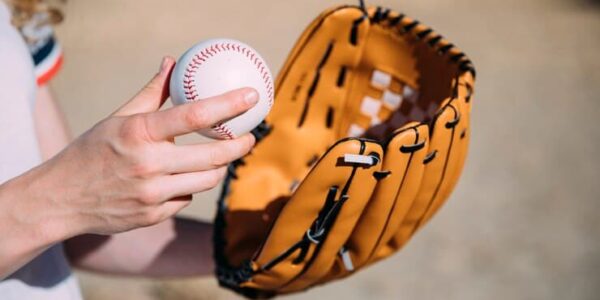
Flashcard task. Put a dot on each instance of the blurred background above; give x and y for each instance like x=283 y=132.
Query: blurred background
x=523 y=222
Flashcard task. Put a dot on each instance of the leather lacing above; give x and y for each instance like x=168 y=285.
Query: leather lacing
x=315 y=83
x=435 y=41
x=427 y=34
x=316 y=233
x=320 y=228
x=420 y=33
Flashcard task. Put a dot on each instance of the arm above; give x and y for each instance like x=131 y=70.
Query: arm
x=50 y=125
x=121 y=174
x=176 y=247
x=25 y=233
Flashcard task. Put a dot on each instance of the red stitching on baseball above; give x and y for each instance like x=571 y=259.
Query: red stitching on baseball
x=203 y=56
x=224 y=131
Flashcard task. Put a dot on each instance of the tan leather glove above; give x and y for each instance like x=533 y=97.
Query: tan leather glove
x=366 y=140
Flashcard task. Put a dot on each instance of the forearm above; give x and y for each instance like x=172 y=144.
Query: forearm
x=29 y=223
x=176 y=247
x=50 y=125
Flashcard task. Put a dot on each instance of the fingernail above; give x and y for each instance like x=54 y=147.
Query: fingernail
x=251 y=97
x=163 y=65
x=252 y=140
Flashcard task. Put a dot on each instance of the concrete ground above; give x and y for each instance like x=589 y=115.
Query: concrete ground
x=523 y=222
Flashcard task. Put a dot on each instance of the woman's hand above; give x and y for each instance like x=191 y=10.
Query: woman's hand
x=126 y=172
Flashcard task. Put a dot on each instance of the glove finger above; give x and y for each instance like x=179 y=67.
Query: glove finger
x=331 y=199
x=359 y=195
x=457 y=154
x=436 y=161
x=458 y=151
x=398 y=184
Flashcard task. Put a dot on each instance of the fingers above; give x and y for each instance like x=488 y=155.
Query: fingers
x=173 y=206
x=173 y=193
x=193 y=158
x=190 y=117
x=175 y=186
x=153 y=95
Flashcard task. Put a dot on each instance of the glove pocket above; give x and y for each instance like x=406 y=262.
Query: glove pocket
x=318 y=219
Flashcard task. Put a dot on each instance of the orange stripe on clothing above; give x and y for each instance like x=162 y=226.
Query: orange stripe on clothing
x=44 y=78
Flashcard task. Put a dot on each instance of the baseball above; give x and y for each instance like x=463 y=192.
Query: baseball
x=216 y=66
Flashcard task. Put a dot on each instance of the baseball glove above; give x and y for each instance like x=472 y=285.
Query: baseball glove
x=366 y=140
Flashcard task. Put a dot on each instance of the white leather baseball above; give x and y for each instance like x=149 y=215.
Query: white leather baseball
x=216 y=66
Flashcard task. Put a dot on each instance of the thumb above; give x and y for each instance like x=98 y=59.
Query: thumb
x=153 y=95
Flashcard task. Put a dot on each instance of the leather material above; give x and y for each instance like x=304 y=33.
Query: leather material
x=367 y=139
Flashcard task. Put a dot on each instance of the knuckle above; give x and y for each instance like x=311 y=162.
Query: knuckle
x=148 y=195
x=132 y=129
x=151 y=216
x=219 y=156
x=216 y=177
x=143 y=165
x=196 y=117
x=237 y=103
x=142 y=170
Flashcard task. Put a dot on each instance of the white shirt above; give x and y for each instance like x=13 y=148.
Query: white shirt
x=48 y=276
